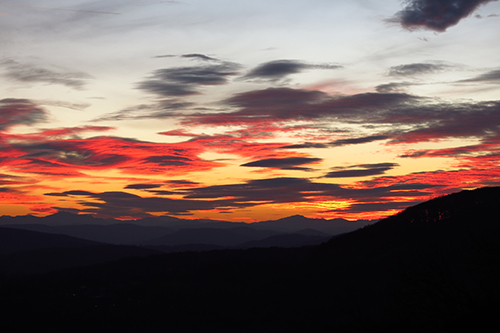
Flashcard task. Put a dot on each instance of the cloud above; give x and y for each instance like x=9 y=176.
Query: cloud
x=362 y=170
x=123 y=204
x=185 y=81
x=437 y=15
x=412 y=118
x=488 y=77
x=460 y=120
x=249 y=194
x=63 y=104
x=273 y=190
x=181 y=183
x=279 y=69
x=288 y=189
x=8 y=180
x=193 y=56
x=356 y=141
x=416 y=69
x=162 y=109
x=414 y=153
x=285 y=104
x=307 y=145
x=20 y=112
x=56 y=133
x=393 y=87
x=29 y=73
x=50 y=153
x=340 y=142
x=142 y=186
x=168 y=160
x=199 y=56
x=289 y=163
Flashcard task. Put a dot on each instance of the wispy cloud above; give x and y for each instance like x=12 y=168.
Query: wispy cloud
x=30 y=73
x=163 y=109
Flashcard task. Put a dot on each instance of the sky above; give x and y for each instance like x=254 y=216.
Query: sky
x=246 y=110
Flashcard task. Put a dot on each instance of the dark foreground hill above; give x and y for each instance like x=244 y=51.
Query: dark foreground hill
x=25 y=251
x=433 y=268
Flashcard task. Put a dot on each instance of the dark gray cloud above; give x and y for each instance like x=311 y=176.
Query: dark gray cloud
x=193 y=56
x=199 y=56
x=437 y=15
x=340 y=142
x=287 y=189
x=307 y=145
x=29 y=73
x=20 y=112
x=76 y=193
x=184 y=81
x=362 y=170
x=181 y=182
x=357 y=141
x=280 y=104
x=417 y=69
x=413 y=118
x=168 y=160
x=279 y=69
x=165 y=56
x=142 y=186
x=488 y=77
x=289 y=163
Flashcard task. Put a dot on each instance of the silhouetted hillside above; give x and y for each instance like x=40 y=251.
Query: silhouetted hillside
x=433 y=268
x=24 y=251
x=286 y=240
x=117 y=233
x=14 y=240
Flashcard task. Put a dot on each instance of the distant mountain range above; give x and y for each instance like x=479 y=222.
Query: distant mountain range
x=434 y=267
x=170 y=233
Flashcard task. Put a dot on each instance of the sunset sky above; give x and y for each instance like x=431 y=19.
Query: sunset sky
x=246 y=110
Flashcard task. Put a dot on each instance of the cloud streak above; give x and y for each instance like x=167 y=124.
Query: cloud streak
x=29 y=73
